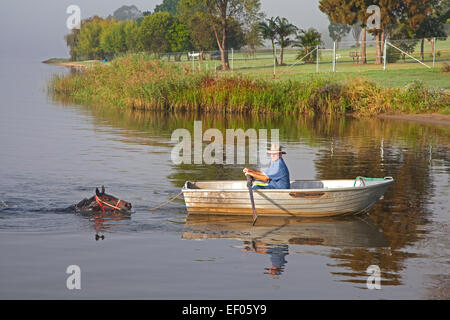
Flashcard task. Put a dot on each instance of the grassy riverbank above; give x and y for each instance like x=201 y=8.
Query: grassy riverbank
x=139 y=82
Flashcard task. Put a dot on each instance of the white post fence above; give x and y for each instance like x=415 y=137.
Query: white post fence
x=434 y=51
x=232 y=59
x=274 y=61
x=409 y=55
x=300 y=60
x=317 y=58
x=334 y=56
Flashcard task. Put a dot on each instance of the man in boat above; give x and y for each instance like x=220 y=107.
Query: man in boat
x=276 y=176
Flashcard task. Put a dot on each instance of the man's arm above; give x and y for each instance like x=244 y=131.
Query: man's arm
x=259 y=175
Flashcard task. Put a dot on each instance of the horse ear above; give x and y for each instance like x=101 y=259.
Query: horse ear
x=97 y=192
x=103 y=189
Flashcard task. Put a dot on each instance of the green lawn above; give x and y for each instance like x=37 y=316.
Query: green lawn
x=395 y=75
x=261 y=65
x=400 y=73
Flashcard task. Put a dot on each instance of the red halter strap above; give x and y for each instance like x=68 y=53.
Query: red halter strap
x=103 y=203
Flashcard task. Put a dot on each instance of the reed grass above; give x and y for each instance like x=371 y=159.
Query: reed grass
x=142 y=83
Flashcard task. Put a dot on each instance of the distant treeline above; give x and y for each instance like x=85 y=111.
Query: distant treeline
x=156 y=33
x=175 y=26
x=186 y=25
x=207 y=25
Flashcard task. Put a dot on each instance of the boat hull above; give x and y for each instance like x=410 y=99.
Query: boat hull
x=325 y=202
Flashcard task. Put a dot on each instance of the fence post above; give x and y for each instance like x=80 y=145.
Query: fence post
x=274 y=61
x=334 y=56
x=384 y=54
x=232 y=59
x=193 y=63
x=434 y=51
x=317 y=58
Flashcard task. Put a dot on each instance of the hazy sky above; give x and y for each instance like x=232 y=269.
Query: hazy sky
x=35 y=28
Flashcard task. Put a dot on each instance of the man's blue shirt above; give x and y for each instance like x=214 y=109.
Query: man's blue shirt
x=278 y=174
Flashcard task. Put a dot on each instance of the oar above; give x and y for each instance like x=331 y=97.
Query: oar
x=250 y=190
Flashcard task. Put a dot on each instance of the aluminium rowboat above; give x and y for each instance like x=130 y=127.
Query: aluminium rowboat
x=305 y=198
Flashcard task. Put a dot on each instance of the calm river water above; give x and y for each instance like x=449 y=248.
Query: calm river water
x=54 y=154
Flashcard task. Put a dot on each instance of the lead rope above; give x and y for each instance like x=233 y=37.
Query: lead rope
x=167 y=202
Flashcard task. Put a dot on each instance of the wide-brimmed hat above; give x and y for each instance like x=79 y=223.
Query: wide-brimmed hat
x=275 y=148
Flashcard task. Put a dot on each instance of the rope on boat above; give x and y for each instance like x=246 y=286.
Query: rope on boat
x=167 y=202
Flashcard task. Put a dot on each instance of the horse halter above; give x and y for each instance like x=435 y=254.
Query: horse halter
x=102 y=204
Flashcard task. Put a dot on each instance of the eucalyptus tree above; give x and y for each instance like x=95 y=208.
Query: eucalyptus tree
x=392 y=14
x=113 y=38
x=167 y=6
x=88 y=39
x=433 y=26
x=348 y=12
x=356 y=32
x=220 y=14
x=338 y=31
x=250 y=24
x=154 y=35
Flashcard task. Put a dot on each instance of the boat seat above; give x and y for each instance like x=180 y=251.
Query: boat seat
x=307 y=185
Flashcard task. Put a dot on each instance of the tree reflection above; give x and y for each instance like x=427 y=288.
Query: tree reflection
x=346 y=148
x=377 y=148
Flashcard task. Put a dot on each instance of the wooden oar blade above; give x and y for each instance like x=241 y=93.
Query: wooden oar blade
x=252 y=200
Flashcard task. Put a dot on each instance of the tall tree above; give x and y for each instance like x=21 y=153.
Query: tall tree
x=223 y=10
x=201 y=33
x=219 y=12
x=112 y=38
x=153 y=34
x=433 y=26
x=348 y=12
x=338 y=31
x=127 y=13
x=131 y=29
x=236 y=35
x=410 y=13
x=72 y=43
x=88 y=40
x=284 y=29
x=390 y=11
x=402 y=37
x=167 y=6
x=179 y=38
x=250 y=24
x=356 y=32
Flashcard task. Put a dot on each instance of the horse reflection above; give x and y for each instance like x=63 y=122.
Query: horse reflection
x=103 y=221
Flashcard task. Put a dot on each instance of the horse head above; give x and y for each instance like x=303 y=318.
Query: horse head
x=102 y=202
x=108 y=202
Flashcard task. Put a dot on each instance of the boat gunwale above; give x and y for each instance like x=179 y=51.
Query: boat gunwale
x=376 y=185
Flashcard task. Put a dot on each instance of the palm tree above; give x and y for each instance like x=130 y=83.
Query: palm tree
x=283 y=30
x=307 y=42
x=268 y=31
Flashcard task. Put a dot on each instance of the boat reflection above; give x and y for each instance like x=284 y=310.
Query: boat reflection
x=334 y=232
x=274 y=235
